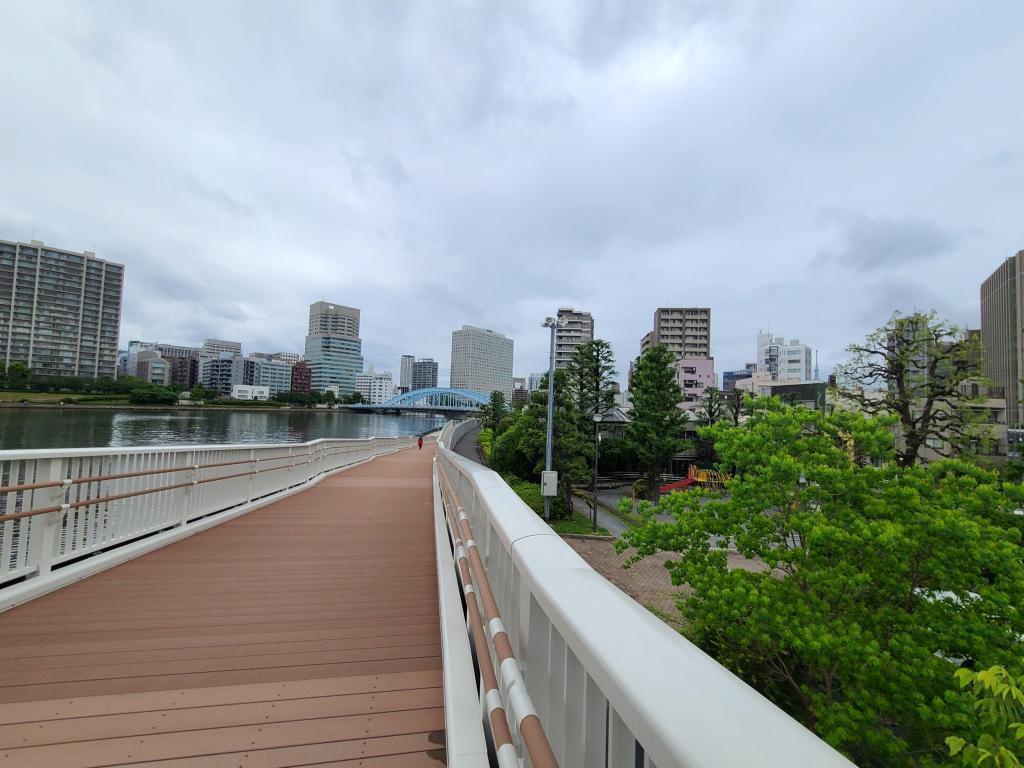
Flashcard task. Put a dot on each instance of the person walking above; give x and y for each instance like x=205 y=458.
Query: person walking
x=420 y=442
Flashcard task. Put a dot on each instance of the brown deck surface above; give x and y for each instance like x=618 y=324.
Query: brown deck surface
x=304 y=633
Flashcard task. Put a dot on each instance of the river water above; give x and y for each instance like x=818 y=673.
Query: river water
x=22 y=428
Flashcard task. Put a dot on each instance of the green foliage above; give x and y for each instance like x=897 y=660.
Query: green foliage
x=531 y=496
x=18 y=376
x=492 y=414
x=656 y=422
x=578 y=524
x=328 y=397
x=591 y=378
x=485 y=439
x=519 y=449
x=913 y=369
x=352 y=398
x=876 y=580
x=616 y=455
x=998 y=738
x=151 y=395
x=712 y=407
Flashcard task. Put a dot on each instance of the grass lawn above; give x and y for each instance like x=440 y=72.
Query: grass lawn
x=34 y=397
x=578 y=524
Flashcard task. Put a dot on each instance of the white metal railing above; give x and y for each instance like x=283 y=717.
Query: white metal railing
x=612 y=684
x=67 y=513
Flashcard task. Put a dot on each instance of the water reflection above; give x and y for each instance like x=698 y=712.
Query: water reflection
x=22 y=428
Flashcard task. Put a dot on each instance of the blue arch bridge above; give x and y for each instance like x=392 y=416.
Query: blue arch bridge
x=453 y=400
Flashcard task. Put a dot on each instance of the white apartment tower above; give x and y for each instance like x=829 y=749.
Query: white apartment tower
x=482 y=361
x=374 y=387
x=574 y=329
x=781 y=361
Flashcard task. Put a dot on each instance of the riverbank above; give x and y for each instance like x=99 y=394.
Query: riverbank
x=126 y=406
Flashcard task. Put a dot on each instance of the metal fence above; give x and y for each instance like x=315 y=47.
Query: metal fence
x=67 y=509
x=610 y=683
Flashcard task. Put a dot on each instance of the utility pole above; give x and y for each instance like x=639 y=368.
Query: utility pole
x=549 y=481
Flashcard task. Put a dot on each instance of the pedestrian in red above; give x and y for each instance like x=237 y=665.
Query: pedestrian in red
x=420 y=443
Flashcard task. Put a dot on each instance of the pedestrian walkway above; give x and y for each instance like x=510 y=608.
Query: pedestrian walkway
x=303 y=633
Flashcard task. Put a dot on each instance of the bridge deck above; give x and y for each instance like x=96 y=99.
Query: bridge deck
x=304 y=633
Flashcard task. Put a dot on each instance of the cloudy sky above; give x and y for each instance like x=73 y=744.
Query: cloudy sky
x=803 y=167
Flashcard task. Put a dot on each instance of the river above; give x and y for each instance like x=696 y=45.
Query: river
x=22 y=428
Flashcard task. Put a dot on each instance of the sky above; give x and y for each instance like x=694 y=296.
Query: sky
x=800 y=167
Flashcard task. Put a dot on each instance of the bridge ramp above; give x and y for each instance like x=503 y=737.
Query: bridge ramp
x=305 y=632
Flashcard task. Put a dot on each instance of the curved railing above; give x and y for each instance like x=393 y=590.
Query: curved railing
x=65 y=514
x=610 y=683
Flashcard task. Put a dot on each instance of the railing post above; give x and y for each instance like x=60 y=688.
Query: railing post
x=190 y=490
x=43 y=528
x=254 y=468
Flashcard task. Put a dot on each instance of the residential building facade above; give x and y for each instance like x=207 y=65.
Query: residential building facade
x=784 y=361
x=574 y=329
x=217 y=347
x=694 y=375
x=301 y=377
x=423 y=375
x=684 y=331
x=249 y=392
x=729 y=378
x=533 y=381
x=275 y=375
x=153 y=368
x=375 y=388
x=405 y=372
x=221 y=373
x=1002 y=334
x=520 y=394
x=482 y=361
x=60 y=311
x=333 y=347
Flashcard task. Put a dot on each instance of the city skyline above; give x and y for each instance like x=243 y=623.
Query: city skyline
x=616 y=162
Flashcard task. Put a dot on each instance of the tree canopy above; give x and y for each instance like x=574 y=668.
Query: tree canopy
x=864 y=584
x=657 y=423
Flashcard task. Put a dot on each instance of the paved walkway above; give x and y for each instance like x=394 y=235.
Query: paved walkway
x=304 y=633
x=467 y=446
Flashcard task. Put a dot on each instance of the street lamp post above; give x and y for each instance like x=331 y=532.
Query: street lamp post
x=597 y=444
x=551 y=323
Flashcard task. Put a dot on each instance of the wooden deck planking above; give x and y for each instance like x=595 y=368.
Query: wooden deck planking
x=302 y=633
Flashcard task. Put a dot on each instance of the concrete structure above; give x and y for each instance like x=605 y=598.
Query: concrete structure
x=185 y=371
x=1002 y=334
x=405 y=372
x=424 y=374
x=694 y=375
x=249 y=392
x=275 y=375
x=153 y=368
x=375 y=388
x=301 y=377
x=482 y=361
x=729 y=378
x=60 y=311
x=782 y=361
x=221 y=373
x=685 y=331
x=333 y=347
x=520 y=394
x=533 y=381
x=217 y=347
x=574 y=328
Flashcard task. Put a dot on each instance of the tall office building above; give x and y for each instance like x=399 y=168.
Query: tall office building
x=60 y=311
x=778 y=360
x=333 y=347
x=405 y=373
x=482 y=361
x=424 y=374
x=574 y=329
x=1001 y=334
x=685 y=331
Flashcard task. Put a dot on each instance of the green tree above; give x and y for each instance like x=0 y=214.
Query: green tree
x=328 y=397
x=19 y=376
x=915 y=368
x=712 y=407
x=591 y=378
x=736 y=405
x=866 y=582
x=999 y=720
x=657 y=424
x=151 y=395
x=494 y=411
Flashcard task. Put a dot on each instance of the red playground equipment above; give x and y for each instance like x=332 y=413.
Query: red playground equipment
x=706 y=478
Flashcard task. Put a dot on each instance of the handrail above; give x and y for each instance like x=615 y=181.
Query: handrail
x=611 y=683
x=475 y=582
x=123 y=475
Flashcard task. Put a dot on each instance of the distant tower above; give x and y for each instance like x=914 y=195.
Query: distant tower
x=816 y=376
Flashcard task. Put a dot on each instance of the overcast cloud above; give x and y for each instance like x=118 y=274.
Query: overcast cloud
x=797 y=166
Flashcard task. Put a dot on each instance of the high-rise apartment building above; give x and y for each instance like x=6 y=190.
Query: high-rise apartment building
x=482 y=361
x=222 y=372
x=685 y=331
x=533 y=381
x=424 y=374
x=60 y=311
x=574 y=328
x=405 y=373
x=215 y=347
x=1002 y=336
x=520 y=394
x=778 y=360
x=374 y=387
x=333 y=347
x=301 y=377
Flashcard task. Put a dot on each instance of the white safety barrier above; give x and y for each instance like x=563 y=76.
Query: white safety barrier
x=65 y=514
x=612 y=684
